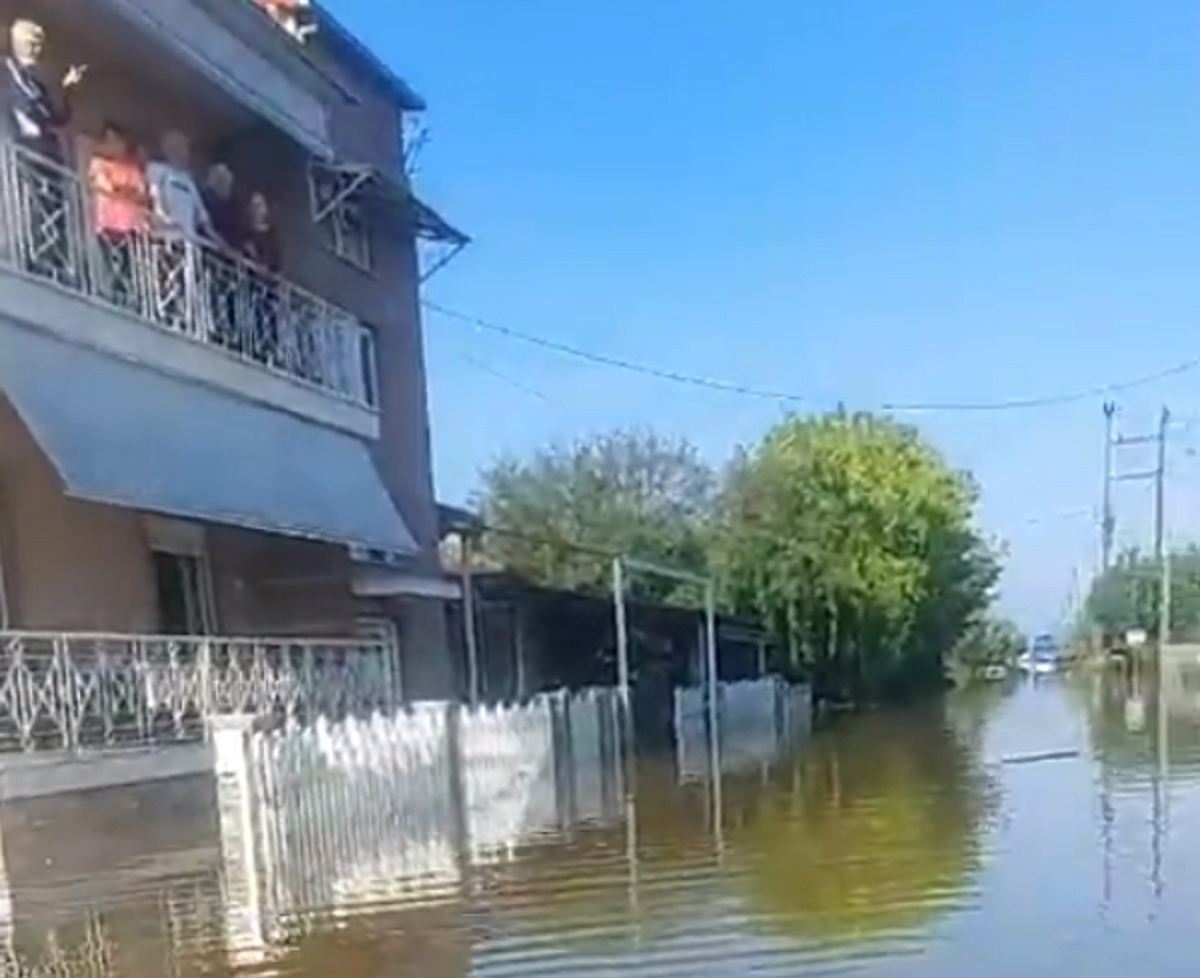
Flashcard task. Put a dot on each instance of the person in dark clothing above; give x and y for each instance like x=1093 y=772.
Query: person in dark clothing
x=32 y=116
x=224 y=209
x=31 y=119
x=261 y=243
x=223 y=274
x=261 y=247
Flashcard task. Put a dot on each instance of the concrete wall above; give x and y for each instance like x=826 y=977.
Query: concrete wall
x=68 y=565
x=146 y=858
x=426 y=664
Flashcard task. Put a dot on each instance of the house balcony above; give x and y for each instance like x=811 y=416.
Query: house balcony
x=76 y=691
x=179 y=307
x=231 y=45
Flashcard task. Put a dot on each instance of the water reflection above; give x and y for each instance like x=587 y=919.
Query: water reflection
x=898 y=843
x=873 y=833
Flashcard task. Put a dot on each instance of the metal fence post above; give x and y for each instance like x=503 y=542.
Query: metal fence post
x=206 y=681
x=563 y=746
x=67 y=694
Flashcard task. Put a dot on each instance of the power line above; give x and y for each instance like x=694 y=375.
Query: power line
x=500 y=375
x=729 y=387
x=1071 y=514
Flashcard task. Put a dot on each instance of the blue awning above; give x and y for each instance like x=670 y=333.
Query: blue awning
x=124 y=434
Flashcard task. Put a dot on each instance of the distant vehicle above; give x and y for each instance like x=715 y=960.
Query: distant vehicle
x=1043 y=656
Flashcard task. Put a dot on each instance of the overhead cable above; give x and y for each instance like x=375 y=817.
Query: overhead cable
x=762 y=393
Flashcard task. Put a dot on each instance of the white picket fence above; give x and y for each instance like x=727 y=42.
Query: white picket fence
x=400 y=806
x=757 y=719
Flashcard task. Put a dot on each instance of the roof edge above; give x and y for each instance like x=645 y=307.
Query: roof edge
x=407 y=97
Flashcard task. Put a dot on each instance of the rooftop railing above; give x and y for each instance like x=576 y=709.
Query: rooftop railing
x=184 y=286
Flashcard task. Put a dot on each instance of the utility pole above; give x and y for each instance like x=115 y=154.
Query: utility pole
x=1161 y=552
x=1159 y=476
x=1108 y=521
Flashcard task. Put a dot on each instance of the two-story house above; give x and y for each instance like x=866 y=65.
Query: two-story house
x=192 y=444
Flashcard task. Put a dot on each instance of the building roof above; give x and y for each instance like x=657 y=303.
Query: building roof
x=452 y=519
x=404 y=94
x=507 y=585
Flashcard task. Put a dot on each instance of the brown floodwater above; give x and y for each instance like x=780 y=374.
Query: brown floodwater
x=894 y=844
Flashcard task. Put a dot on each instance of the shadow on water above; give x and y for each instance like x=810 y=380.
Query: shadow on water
x=868 y=843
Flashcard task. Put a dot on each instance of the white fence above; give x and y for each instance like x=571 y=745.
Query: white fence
x=757 y=719
x=508 y=775
x=401 y=806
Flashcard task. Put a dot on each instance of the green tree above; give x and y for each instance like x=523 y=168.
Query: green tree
x=1126 y=595
x=851 y=538
x=569 y=508
x=988 y=640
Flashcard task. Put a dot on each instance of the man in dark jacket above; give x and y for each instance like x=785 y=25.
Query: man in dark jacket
x=32 y=119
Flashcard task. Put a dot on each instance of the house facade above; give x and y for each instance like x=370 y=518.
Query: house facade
x=193 y=442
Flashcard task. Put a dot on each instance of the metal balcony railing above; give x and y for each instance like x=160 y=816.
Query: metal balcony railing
x=184 y=286
x=71 y=691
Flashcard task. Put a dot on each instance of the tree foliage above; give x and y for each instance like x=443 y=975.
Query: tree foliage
x=1126 y=596
x=851 y=538
x=988 y=640
x=846 y=535
x=568 y=509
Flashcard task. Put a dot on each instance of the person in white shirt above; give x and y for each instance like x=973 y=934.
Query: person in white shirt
x=179 y=209
x=181 y=221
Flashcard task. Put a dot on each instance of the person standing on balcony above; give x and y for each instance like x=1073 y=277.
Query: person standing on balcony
x=33 y=116
x=32 y=119
x=224 y=276
x=261 y=247
x=221 y=201
x=181 y=223
x=179 y=208
x=121 y=205
x=262 y=242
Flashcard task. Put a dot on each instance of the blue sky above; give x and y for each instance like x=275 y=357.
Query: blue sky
x=860 y=201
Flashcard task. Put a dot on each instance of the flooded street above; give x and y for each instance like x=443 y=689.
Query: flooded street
x=894 y=844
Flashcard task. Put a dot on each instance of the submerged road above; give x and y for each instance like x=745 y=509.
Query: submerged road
x=1005 y=831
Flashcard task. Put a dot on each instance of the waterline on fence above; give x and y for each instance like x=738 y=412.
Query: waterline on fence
x=410 y=807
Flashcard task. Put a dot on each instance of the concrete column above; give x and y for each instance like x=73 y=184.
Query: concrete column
x=242 y=871
x=6 y=903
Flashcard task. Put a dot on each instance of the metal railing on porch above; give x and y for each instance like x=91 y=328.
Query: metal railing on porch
x=184 y=286
x=74 y=691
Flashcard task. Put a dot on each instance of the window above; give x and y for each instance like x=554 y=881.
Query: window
x=384 y=631
x=182 y=583
x=338 y=212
